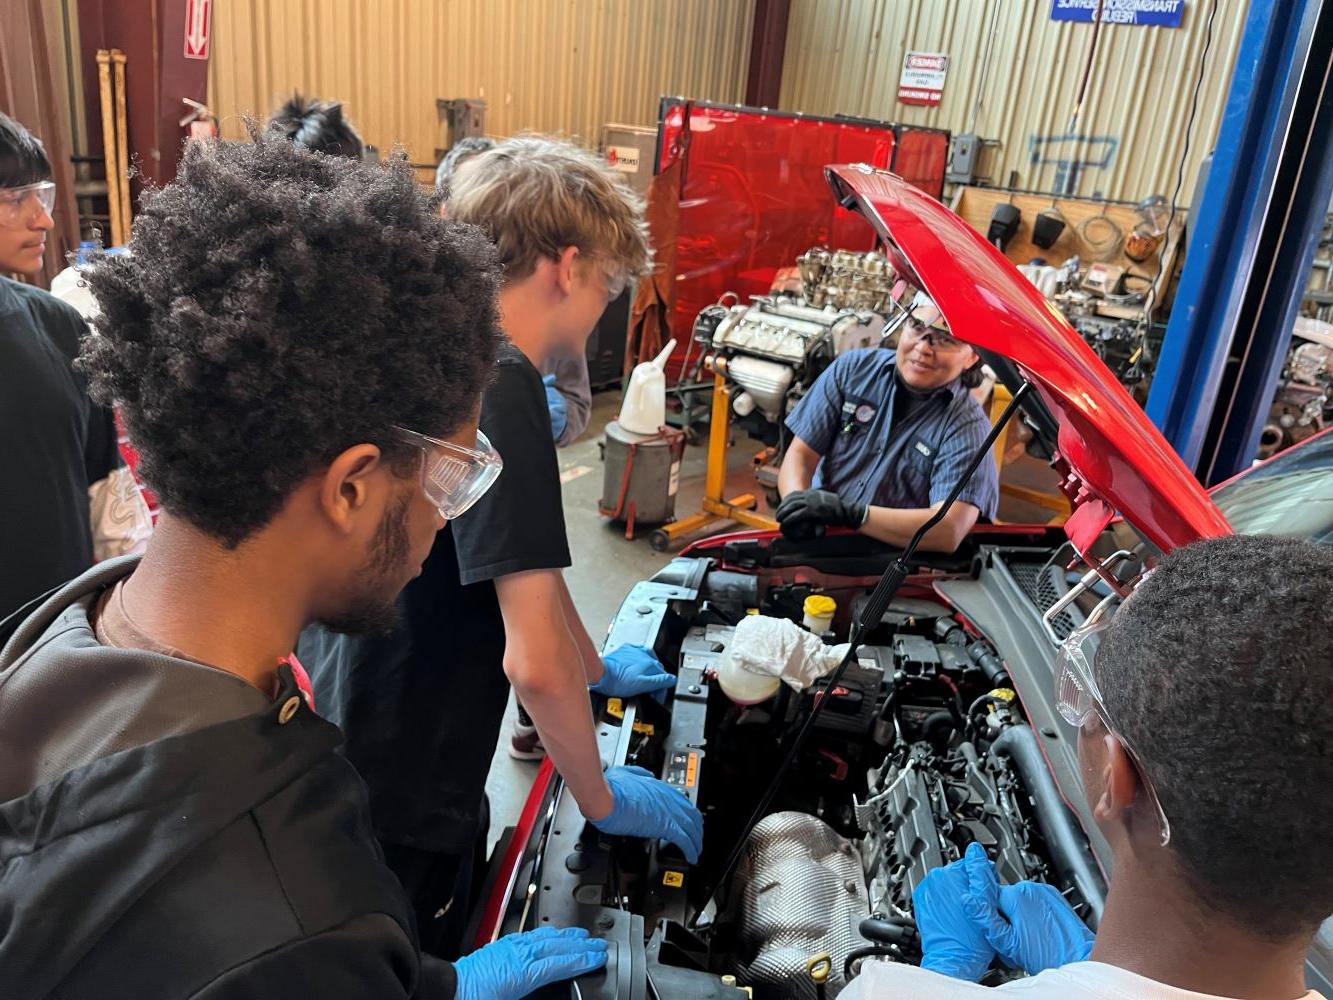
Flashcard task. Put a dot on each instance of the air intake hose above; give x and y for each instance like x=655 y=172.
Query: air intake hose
x=1066 y=842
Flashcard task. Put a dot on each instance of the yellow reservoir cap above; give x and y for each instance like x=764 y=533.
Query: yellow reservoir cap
x=820 y=606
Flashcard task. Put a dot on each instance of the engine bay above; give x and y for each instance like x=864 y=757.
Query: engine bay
x=923 y=747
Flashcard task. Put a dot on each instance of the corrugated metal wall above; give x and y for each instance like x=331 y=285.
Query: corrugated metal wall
x=561 y=66
x=846 y=56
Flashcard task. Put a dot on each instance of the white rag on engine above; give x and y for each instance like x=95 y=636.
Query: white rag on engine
x=778 y=647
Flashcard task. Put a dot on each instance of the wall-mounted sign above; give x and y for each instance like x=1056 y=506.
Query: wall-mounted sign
x=197 y=16
x=623 y=158
x=1163 y=13
x=922 y=81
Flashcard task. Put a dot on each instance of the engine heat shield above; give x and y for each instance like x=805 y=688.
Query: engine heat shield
x=802 y=892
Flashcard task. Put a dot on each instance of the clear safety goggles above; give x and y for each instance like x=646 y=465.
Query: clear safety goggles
x=616 y=281
x=1078 y=699
x=454 y=477
x=17 y=202
x=915 y=329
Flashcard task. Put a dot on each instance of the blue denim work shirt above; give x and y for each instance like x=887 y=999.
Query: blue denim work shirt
x=847 y=417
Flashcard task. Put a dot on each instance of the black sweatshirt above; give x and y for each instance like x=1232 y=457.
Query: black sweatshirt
x=228 y=855
x=54 y=443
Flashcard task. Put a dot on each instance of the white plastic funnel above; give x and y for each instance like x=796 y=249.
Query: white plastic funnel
x=644 y=408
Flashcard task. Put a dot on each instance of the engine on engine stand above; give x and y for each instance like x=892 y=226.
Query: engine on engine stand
x=774 y=348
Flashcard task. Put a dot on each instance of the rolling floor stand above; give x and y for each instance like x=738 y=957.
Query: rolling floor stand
x=715 y=507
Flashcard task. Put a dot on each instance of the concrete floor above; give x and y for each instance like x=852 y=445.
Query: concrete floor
x=605 y=566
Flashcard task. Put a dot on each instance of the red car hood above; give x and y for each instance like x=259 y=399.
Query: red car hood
x=1115 y=460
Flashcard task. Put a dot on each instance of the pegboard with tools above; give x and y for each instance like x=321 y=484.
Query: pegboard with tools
x=1110 y=267
x=1097 y=232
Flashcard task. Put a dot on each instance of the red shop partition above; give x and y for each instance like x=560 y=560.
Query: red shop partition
x=920 y=157
x=753 y=196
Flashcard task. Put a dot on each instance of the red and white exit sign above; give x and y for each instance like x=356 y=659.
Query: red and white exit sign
x=922 y=81
x=198 y=13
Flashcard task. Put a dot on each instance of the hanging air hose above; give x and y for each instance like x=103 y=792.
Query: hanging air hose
x=1101 y=236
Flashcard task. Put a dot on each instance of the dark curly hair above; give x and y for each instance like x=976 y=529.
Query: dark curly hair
x=1219 y=671
x=317 y=125
x=278 y=307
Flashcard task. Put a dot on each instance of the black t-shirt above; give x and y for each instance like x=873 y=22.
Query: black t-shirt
x=422 y=708
x=907 y=401
x=54 y=443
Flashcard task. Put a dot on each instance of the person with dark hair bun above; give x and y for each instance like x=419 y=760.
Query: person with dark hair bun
x=882 y=437
x=298 y=343
x=316 y=125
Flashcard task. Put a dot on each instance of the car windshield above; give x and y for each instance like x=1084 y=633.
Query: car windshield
x=1290 y=495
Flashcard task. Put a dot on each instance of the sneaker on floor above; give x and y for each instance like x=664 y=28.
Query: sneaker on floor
x=525 y=743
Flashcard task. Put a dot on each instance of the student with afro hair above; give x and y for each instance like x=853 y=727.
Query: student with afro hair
x=298 y=344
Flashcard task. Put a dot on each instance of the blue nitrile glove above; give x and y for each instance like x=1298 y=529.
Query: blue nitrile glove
x=952 y=943
x=555 y=402
x=1030 y=925
x=632 y=670
x=517 y=964
x=646 y=807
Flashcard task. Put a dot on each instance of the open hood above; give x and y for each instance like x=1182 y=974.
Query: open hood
x=1114 y=459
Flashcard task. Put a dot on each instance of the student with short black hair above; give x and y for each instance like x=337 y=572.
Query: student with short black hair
x=55 y=443
x=298 y=343
x=1206 y=750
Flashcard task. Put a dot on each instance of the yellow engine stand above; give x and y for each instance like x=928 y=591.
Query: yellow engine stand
x=1054 y=502
x=714 y=507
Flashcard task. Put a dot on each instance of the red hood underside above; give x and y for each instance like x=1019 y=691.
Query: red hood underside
x=1119 y=462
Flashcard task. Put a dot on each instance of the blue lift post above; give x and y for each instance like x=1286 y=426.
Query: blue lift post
x=1252 y=240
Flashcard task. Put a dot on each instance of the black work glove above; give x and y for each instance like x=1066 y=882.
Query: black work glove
x=801 y=513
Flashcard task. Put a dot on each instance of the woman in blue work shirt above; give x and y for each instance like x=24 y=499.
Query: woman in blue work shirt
x=882 y=437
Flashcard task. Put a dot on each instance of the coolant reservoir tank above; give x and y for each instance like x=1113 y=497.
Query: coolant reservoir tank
x=644 y=408
x=745 y=687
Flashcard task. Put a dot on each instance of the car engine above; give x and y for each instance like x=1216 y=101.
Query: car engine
x=773 y=348
x=1303 y=403
x=922 y=749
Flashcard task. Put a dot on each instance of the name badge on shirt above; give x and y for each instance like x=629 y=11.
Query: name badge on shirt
x=924 y=448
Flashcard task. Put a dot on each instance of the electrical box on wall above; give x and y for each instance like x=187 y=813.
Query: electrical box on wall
x=963 y=153
x=463 y=117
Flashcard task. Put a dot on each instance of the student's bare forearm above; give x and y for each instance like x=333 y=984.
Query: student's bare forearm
x=592 y=659
x=562 y=714
x=543 y=662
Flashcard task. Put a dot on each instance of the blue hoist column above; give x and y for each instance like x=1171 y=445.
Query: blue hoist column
x=1251 y=241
